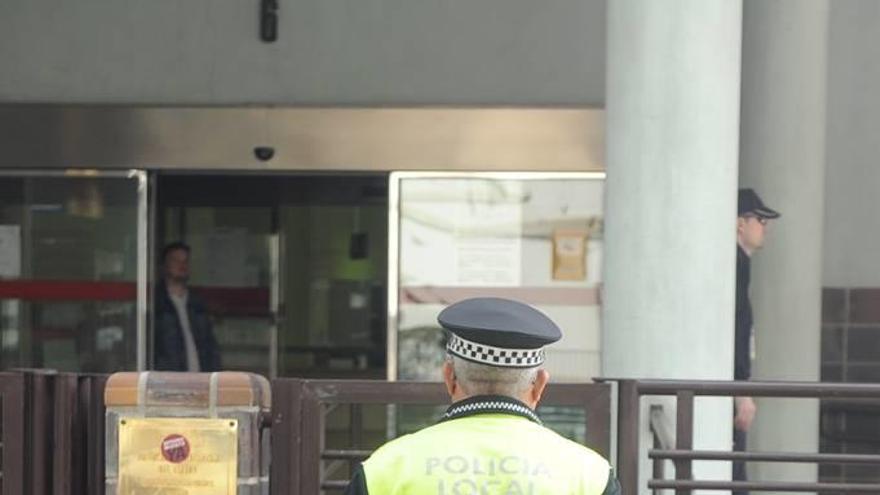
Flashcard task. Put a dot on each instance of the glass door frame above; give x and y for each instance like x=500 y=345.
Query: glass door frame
x=143 y=260
x=394 y=188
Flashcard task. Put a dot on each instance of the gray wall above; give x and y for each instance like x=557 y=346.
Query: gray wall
x=852 y=215
x=354 y=52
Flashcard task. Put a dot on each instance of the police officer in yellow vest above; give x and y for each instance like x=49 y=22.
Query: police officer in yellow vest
x=490 y=441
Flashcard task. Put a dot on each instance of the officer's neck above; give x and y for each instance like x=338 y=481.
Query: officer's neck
x=530 y=397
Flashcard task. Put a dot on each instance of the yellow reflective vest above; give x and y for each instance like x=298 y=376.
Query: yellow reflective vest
x=485 y=454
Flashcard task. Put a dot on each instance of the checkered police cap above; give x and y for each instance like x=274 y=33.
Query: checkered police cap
x=498 y=332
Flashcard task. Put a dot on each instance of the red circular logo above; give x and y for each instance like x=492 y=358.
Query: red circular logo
x=175 y=448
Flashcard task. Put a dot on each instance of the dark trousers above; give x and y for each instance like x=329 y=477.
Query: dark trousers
x=739 y=467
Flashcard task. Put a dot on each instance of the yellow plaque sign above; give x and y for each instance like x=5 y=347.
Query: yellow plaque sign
x=178 y=456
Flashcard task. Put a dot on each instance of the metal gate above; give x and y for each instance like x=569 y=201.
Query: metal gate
x=52 y=433
x=52 y=428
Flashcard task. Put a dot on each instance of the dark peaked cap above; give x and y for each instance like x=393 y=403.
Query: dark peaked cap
x=748 y=202
x=498 y=332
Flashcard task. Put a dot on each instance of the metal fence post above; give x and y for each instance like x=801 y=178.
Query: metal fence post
x=39 y=426
x=286 y=433
x=66 y=434
x=91 y=401
x=684 y=436
x=13 y=420
x=311 y=467
x=598 y=412
x=628 y=425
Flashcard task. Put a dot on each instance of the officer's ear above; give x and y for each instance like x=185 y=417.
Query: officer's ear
x=449 y=377
x=537 y=390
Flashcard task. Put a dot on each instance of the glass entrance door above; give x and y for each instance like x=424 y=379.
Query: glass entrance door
x=533 y=237
x=73 y=270
x=291 y=267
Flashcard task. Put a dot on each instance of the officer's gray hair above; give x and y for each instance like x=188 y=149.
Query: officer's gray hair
x=481 y=379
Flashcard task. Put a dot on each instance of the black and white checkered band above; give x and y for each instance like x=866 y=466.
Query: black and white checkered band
x=494 y=356
x=487 y=404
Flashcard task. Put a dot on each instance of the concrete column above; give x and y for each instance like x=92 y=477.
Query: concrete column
x=783 y=157
x=673 y=82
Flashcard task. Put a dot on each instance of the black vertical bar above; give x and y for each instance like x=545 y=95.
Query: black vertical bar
x=82 y=431
x=598 y=417
x=282 y=436
x=284 y=472
x=311 y=468
x=93 y=404
x=628 y=435
x=65 y=417
x=355 y=432
x=12 y=387
x=684 y=436
x=38 y=430
x=268 y=20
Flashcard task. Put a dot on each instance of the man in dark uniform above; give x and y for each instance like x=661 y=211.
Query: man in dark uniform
x=490 y=440
x=751 y=228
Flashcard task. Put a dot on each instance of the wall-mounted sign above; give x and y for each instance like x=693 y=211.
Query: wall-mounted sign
x=180 y=456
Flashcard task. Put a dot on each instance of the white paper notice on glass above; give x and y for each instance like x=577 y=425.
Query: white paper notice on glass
x=488 y=247
x=10 y=251
x=488 y=261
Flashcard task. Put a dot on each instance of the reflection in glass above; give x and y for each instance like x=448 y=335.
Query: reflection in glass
x=424 y=348
x=68 y=263
x=335 y=258
x=535 y=240
x=538 y=240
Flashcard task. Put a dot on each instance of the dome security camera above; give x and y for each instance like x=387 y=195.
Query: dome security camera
x=264 y=153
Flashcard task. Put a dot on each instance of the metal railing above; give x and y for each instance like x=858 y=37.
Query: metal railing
x=52 y=433
x=299 y=458
x=52 y=430
x=683 y=454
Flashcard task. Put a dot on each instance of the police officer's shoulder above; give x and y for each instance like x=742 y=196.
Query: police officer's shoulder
x=403 y=443
x=577 y=457
x=586 y=460
x=395 y=444
x=574 y=450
